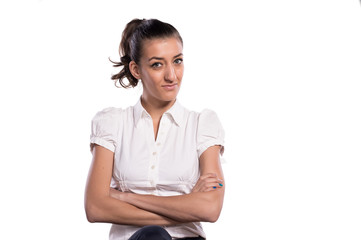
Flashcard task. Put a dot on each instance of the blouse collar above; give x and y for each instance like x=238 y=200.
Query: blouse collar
x=175 y=113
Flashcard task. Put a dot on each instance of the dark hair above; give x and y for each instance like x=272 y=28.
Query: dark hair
x=130 y=48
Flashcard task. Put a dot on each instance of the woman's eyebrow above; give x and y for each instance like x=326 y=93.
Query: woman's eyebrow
x=156 y=58
x=181 y=54
x=160 y=58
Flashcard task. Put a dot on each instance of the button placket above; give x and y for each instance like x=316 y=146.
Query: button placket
x=156 y=148
x=152 y=177
x=152 y=167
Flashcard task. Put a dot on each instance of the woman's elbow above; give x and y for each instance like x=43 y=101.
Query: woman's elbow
x=212 y=214
x=92 y=211
x=212 y=207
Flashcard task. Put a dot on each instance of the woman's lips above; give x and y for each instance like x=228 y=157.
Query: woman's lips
x=169 y=87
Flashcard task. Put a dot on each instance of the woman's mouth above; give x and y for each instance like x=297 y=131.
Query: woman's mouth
x=169 y=87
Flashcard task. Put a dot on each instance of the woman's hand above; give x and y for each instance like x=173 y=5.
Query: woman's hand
x=207 y=182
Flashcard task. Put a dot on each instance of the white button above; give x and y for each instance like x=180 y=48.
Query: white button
x=152 y=166
x=152 y=182
x=154 y=153
x=158 y=144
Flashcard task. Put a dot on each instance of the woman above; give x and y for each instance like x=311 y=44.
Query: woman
x=155 y=172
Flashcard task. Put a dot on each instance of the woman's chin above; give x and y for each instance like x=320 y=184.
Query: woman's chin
x=170 y=96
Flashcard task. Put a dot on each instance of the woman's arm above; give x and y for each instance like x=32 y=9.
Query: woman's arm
x=196 y=206
x=101 y=207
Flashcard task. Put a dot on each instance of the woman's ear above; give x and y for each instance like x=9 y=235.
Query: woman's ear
x=134 y=69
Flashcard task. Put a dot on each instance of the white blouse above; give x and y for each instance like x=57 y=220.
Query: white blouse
x=166 y=166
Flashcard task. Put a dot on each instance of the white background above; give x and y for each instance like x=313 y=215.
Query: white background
x=284 y=77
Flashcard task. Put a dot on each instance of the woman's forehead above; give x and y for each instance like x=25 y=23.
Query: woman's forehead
x=162 y=47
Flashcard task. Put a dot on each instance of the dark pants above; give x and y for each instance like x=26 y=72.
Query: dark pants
x=155 y=233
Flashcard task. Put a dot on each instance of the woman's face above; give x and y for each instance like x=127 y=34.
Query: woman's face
x=160 y=69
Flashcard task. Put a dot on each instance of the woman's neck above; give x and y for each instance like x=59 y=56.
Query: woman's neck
x=155 y=107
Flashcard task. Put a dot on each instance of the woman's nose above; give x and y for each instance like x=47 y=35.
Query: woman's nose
x=170 y=74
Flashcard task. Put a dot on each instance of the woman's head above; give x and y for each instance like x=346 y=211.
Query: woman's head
x=136 y=36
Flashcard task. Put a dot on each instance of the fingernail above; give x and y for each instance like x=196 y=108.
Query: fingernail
x=214 y=187
x=220 y=184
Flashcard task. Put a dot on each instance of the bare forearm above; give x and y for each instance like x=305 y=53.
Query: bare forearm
x=112 y=210
x=200 y=206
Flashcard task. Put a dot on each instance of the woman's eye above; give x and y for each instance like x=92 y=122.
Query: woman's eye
x=156 y=65
x=178 y=61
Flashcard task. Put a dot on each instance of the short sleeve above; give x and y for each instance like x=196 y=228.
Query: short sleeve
x=210 y=131
x=104 y=128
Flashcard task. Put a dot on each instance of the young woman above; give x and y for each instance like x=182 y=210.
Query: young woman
x=155 y=172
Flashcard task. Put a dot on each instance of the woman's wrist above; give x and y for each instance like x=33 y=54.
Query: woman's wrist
x=118 y=194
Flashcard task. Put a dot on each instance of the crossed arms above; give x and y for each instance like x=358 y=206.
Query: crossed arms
x=103 y=204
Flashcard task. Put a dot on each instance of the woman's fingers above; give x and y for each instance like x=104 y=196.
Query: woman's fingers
x=208 y=182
